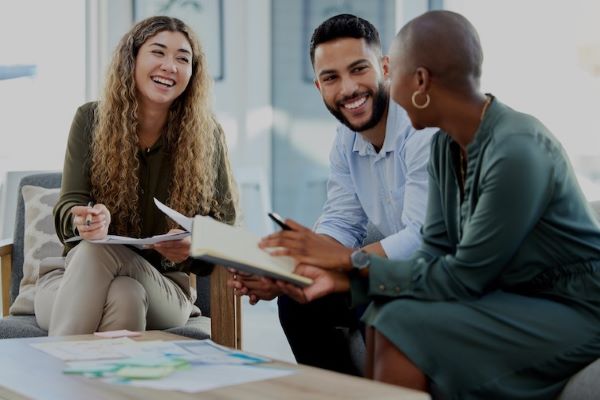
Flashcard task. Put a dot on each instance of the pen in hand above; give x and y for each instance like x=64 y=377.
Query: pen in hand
x=88 y=217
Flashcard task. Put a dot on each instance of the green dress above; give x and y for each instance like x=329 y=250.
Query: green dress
x=502 y=301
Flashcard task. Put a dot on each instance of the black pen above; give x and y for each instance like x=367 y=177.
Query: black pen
x=279 y=221
x=88 y=217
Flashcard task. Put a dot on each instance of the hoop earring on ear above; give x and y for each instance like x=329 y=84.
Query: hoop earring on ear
x=420 y=106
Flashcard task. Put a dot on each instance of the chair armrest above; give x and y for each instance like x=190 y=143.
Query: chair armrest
x=225 y=311
x=6 y=247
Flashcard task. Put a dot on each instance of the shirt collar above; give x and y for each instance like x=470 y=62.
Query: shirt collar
x=365 y=148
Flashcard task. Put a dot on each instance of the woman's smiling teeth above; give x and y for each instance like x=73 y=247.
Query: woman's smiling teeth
x=163 y=81
x=356 y=103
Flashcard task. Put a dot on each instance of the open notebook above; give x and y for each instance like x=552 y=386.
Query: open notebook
x=234 y=247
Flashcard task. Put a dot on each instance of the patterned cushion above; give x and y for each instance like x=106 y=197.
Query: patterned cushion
x=40 y=241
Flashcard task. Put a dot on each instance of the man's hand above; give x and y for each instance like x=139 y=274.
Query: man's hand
x=255 y=287
x=174 y=250
x=325 y=282
x=307 y=247
x=98 y=220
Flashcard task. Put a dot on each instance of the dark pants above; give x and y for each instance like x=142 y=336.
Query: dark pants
x=318 y=331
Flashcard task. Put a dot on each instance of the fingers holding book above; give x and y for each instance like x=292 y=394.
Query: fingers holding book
x=306 y=247
x=324 y=282
x=255 y=287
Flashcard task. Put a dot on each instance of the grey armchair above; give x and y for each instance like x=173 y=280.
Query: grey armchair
x=221 y=310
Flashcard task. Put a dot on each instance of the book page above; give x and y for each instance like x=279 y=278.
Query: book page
x=233 y=246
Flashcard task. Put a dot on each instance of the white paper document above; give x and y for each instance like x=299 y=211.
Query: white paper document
x=186 y=366
x=200 y=378
x=182 y=220
x=208 y=352
x=104 y=349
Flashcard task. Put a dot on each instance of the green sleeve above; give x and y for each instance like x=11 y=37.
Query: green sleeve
x=434 y=232
x=75 y=188
x=516 y=183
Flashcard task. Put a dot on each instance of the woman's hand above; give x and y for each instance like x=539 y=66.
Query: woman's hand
x=176 y=251
x=307 y=247
x=91 y=222
x=325 y=282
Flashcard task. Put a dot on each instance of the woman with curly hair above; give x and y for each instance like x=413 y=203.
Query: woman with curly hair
x=153 y=135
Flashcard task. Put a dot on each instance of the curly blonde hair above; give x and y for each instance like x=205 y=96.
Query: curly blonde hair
x=195 y=143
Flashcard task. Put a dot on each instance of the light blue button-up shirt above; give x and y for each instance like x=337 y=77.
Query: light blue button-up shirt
x=388 y=188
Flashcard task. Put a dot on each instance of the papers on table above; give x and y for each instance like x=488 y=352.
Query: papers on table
x=182 y=220
x=209 y=377
x=187 y=365
x=118 y=333
x=86 y=349
x=208 y=352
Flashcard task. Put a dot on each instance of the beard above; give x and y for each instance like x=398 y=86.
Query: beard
x=380 y=102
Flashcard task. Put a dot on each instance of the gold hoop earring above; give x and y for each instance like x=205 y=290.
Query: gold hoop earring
x=420 y=106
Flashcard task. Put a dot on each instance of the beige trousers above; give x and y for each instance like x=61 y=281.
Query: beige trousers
x=110 y=287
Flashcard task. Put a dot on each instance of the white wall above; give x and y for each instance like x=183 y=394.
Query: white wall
x=36 y=112
x=243 y=101
x=534 y=61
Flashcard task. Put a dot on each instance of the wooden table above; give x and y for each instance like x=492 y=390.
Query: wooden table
x=28 y=373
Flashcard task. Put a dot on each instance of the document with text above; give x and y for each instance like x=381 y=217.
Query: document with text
x=182 y=220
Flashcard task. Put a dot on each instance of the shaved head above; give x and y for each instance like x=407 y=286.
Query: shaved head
x=443 y=42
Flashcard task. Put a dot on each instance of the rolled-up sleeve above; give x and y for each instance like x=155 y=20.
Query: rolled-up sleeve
x=343 y=217
x=403 y=244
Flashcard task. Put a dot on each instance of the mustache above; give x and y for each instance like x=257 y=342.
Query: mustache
x=353 y=96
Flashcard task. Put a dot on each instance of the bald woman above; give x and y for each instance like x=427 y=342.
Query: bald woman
x=502 y=301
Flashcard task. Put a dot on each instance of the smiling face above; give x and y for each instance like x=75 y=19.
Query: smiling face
x=163 y=67
x=350 y=77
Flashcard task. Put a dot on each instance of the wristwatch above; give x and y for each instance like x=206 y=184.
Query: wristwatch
x=360 y=259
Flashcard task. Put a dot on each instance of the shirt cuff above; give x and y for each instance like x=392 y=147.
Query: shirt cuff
x=389 y=278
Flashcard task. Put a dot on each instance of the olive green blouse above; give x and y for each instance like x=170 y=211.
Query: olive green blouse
x=154 y=175
x=523 y=221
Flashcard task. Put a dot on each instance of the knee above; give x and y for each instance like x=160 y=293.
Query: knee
x=403 y=314
x=127 y=295
x=86 y=254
